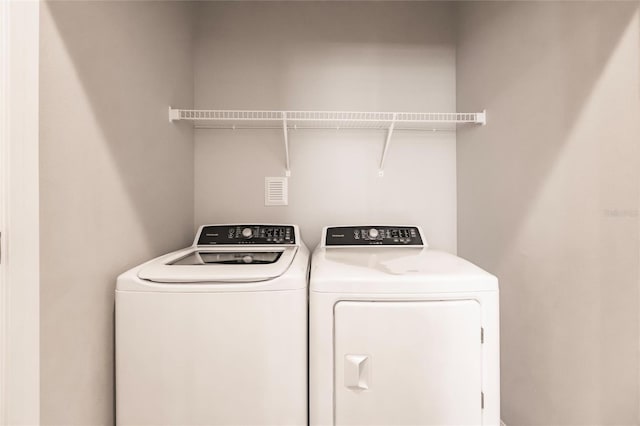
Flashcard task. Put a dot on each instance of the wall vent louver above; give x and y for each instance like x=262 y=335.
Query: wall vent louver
x=276 y=191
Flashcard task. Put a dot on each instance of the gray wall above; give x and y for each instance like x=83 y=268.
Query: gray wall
x=348 y=56
x=548 y=200
x=116 y=181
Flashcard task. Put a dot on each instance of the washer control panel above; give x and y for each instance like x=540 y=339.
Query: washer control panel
x=246 y=234
x=373 y=235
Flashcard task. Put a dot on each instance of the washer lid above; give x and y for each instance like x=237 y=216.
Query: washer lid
x=220 y=264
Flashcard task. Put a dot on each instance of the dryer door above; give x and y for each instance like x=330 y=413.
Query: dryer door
x=408 y=363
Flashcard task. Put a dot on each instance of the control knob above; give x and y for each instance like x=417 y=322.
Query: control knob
x=247 y=232
x=373 y=233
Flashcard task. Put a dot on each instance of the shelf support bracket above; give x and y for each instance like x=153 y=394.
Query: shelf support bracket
x=482 y=117
x=174 y=114
x=285 y=131
x=387 y=142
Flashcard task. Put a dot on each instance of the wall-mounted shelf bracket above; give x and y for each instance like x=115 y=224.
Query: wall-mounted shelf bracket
x=387 y=142
x=174 y=114
x=300 y=120
x=482 y=117
x=285 y=130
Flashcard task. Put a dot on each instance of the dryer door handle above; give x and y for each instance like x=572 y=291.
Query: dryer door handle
x=356 y=372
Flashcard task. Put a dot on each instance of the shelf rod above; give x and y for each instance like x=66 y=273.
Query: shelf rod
x=285 y=131
x=386 y=146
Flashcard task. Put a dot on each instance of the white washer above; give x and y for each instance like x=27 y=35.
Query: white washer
x=400 y=334
x=216 y=333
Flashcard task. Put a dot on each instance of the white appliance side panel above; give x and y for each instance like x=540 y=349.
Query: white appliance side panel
x=211 y=358
x=408 y=363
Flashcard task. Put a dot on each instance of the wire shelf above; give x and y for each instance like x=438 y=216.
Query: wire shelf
x=286 y=121
x=240 y=119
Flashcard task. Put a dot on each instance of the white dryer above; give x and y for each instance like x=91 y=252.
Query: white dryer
x=216 y=333
x=400 y=334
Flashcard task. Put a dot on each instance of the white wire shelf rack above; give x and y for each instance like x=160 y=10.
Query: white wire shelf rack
x=294 y=120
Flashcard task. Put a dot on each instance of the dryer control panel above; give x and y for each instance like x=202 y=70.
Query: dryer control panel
x=373 y=235
x=247 y=234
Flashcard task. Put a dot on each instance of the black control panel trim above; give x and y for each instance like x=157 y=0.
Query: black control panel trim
x=373 y=235
x=247 y=234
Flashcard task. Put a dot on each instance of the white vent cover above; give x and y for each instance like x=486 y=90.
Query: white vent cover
x=276 y=191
